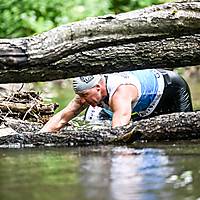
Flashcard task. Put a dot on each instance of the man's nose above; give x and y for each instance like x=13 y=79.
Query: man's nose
x=82 y=100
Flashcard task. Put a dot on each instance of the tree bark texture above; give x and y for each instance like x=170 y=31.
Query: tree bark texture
x=26 y=106
x=166 y=35
x=176 y=126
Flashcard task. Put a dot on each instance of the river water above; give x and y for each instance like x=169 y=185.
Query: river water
x=137 y=172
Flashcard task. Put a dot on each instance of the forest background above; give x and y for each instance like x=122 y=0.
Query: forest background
x=20 y=18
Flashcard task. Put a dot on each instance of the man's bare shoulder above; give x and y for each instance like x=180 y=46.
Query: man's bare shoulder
x=126 y=90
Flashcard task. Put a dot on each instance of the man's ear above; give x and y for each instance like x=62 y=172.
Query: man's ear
x=98 y=87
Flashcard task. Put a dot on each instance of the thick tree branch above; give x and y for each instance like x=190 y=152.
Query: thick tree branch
x=174 y=126
x=150 y=37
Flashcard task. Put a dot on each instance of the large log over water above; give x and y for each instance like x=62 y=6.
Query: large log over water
x=176 y=126
x=161 y=36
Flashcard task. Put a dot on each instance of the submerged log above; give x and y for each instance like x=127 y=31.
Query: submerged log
x=160 y=36
x=176 y=126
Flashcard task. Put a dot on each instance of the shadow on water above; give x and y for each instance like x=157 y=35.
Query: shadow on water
x=139 y=171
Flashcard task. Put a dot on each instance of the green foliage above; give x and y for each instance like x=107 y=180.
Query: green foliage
x=26 y=17
x=119 y=6
x=59 y=91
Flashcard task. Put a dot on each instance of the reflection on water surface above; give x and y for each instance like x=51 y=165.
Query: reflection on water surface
x=169 y=171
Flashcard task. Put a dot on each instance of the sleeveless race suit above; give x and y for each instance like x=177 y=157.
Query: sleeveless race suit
x=151 y=85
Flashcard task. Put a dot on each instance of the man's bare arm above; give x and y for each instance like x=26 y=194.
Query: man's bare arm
x=64 y=116
x=121 y=104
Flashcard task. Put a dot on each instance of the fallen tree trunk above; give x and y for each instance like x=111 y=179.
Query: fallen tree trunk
x=161 y=36
x=176 y=126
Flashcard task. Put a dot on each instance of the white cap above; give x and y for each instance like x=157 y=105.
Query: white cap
x=85 y=82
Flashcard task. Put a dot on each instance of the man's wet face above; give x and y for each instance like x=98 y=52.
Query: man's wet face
x=92 y=96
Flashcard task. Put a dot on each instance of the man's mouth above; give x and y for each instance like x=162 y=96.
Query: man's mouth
x=94 y=103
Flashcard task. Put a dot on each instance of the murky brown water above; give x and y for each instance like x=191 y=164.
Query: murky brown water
x=137 y=172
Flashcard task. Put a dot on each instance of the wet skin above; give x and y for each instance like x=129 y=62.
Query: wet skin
x=91 y=96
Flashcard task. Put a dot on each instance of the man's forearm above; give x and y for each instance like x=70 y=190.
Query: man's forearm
x=56 y=122
x=61 y=118
x=120 y=119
